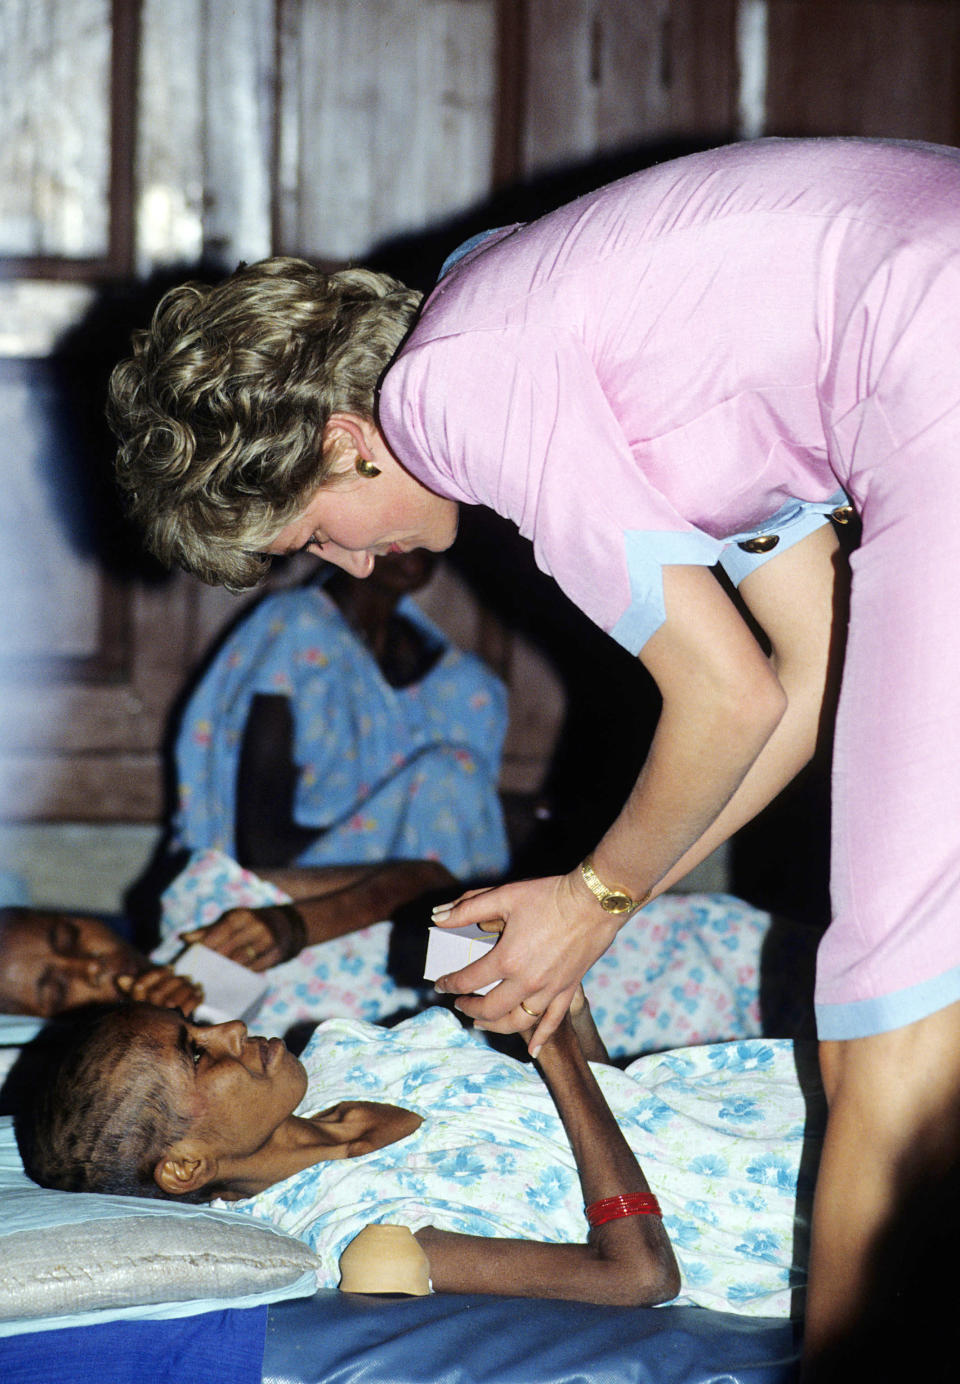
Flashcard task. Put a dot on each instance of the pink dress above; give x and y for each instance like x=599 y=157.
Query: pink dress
x=731 y=344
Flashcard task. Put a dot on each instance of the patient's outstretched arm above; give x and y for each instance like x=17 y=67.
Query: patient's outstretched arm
x=627 y=1261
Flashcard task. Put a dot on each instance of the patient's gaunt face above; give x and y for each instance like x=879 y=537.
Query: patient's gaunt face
x=50 y=962
x=236 y=1090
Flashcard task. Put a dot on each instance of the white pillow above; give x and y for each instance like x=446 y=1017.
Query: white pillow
x=15 y=1030
x=69 y=1258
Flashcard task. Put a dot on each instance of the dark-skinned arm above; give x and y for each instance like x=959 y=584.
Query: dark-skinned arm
x=327 y=903
x=592 y=1045
x=627 y=1262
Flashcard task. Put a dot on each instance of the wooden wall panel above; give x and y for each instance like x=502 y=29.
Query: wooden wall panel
x=867 y=67
x=239 y=108
x=87 y=747
x=55 y=128
x=206 y=133
x=50 y=578
x=387 y=115
x=87 y=786
x=609 y=74
x=702 y=68
x=169 y=154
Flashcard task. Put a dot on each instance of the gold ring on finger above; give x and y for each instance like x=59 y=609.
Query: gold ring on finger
x=251 y=951
x=534 y=1013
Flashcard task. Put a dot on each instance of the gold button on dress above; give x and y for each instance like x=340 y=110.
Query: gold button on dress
x=763 y=543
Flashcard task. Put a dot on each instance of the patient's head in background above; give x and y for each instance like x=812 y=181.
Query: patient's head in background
x=50 y=962
x=369 y=600
x=403 y=572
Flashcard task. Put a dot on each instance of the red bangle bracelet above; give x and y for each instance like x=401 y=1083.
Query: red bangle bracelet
x=613 y=1208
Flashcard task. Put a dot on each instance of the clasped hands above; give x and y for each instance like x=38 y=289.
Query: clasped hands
x=552 y=931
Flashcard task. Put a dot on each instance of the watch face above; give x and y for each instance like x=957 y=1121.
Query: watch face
x=616 y=903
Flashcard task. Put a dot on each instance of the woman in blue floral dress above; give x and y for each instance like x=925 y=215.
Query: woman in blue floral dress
x=341 y=709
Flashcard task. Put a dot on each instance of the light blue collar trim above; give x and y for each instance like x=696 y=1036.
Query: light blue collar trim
x=463 y=250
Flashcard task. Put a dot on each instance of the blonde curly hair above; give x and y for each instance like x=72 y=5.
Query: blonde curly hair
x=221 y=409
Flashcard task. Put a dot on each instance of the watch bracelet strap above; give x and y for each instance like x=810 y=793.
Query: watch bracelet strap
x=297 y=928
x=602 y=891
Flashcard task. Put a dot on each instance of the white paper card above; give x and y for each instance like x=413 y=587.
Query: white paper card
x=231 y=991
x=450 y=949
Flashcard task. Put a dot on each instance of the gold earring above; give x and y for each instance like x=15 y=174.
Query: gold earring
x=365 y=467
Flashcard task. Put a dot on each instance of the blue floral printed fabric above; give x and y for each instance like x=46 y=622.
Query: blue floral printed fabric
x=718 y=1129
x=384 y=772
x=347 y=976
x=685 y=969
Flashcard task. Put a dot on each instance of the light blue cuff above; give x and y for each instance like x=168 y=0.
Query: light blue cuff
x=792 y=521
x=647 y=554
x=863 y=1018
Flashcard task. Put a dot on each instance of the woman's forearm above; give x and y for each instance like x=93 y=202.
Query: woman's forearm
x=699 y=761
x=342 y=899
x=701 y=782
x=788 y=750
x=656 y=837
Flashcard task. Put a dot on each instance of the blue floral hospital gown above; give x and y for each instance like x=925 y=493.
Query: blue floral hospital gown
x=685 y=969
x=719 y=1131
x=383 y=772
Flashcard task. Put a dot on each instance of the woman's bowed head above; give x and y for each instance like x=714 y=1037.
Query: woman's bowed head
x=135 y=1100
x=246 y=423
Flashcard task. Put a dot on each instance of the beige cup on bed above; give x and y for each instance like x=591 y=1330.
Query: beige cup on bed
x=385 y=1259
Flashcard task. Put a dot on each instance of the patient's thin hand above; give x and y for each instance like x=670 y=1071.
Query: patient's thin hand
x=163 y=987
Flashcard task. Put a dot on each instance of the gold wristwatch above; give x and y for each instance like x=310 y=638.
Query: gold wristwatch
x=615 y=900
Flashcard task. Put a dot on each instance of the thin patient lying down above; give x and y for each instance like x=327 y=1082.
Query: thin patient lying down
x=488 y=1161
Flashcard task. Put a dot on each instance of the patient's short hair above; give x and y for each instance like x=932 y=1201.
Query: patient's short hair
x=91 y=1111
x=221 y=409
